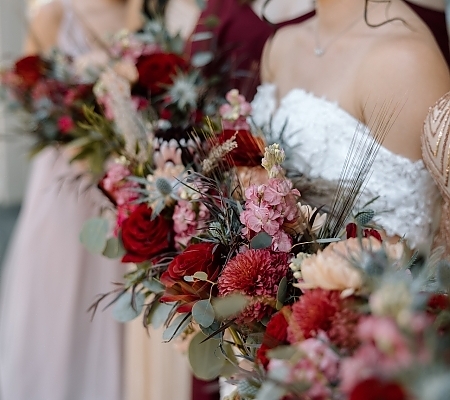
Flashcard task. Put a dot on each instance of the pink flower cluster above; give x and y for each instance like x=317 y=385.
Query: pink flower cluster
x=188 y=219
x=385 y=351
x=319 y=367
x=267 y=208
x=235 y=113
x=121 y=191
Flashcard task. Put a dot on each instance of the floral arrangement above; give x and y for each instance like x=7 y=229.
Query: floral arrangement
x=52 y=95
x=228 y=257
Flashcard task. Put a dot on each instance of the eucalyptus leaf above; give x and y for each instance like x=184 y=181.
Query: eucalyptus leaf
x=159 y=314
x=282 y=292
x=201 y=276
x=261 y=241
x=114 y=248
x=202 y=58
x=203 y=313
x=200 y=36
x=127 y=308
x=188 y=278
x=177 y=327
x=328 y=240
x=93 y=235
x=214 y=327
x=206 y=359
x=229 y=306
x=154 y=286
x=270 y=391
x=282 y=352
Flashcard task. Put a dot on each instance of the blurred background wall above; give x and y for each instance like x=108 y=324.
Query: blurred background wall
x=14 y=162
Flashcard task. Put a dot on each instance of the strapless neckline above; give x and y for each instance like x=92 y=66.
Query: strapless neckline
x=345 y=115
x=318 y=134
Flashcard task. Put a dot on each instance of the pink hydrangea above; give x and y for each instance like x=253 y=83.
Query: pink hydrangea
x=385 y=351
x=121 y=191
x=188 y=219
x=267 y=208
x=319 y=368
x=235 y=113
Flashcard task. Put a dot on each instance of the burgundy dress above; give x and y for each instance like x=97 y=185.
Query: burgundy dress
x=238 y=40
x=437 y=24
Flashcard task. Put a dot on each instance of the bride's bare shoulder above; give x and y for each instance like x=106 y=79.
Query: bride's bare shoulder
x=43 y=26
x=285 y=46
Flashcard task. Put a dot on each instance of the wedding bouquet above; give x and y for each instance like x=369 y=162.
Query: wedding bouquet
x=284 y=300
x=51 y=94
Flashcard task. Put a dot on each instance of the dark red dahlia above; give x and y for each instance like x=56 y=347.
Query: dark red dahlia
x=323 y=310
x=257 y=274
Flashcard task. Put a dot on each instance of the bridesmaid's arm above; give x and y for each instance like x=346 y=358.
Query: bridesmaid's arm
x=43 y=28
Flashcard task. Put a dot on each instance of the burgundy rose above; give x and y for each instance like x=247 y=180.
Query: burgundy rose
x=275 y=335
x=157 y=70
x=30 y=69
x=144 y=238
x=375 y=389
x=202 y=257
x=352 y=232
x=250 y=150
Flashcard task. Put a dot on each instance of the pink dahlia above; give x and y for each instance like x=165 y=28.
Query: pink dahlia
x=322 y=310
x=255 y=273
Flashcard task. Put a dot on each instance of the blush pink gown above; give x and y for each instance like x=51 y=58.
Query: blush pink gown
x=49 y=348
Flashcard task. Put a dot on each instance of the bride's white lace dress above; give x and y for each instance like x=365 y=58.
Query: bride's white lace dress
x=320 y=134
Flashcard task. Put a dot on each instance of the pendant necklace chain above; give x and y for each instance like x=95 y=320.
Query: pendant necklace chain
x=319 y=49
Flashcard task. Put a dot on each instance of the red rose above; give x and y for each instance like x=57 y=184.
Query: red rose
x=275 y=335
x=202 y=257
x=144 y=238
x=30 y=69
x=352 y=232
x=374 y=389
x=157 y=70
x=250 y=150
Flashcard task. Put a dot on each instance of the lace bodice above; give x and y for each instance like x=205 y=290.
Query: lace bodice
x=320 y=133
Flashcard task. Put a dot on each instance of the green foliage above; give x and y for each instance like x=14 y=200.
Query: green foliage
x=229 y=306
x=154 y=286
x=205 y=357
x=114 y=248
x=128 y=306
x=94 y=235
x=177 y=327
x=159 y=314
x=203 y=313
x=201 y=59
x=261 y=241
x=282 y=292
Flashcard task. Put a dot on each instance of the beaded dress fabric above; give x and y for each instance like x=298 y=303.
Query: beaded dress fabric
x=436 y=156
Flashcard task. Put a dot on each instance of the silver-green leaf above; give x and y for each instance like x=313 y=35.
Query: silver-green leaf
x=127 y=308
x=261 y=241
x=114 y=248
x=203 y=313
x=206 y=359
x=94 y=235
x=177 y=327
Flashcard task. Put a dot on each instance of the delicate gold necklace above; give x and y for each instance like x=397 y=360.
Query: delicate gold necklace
x=321 y=49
